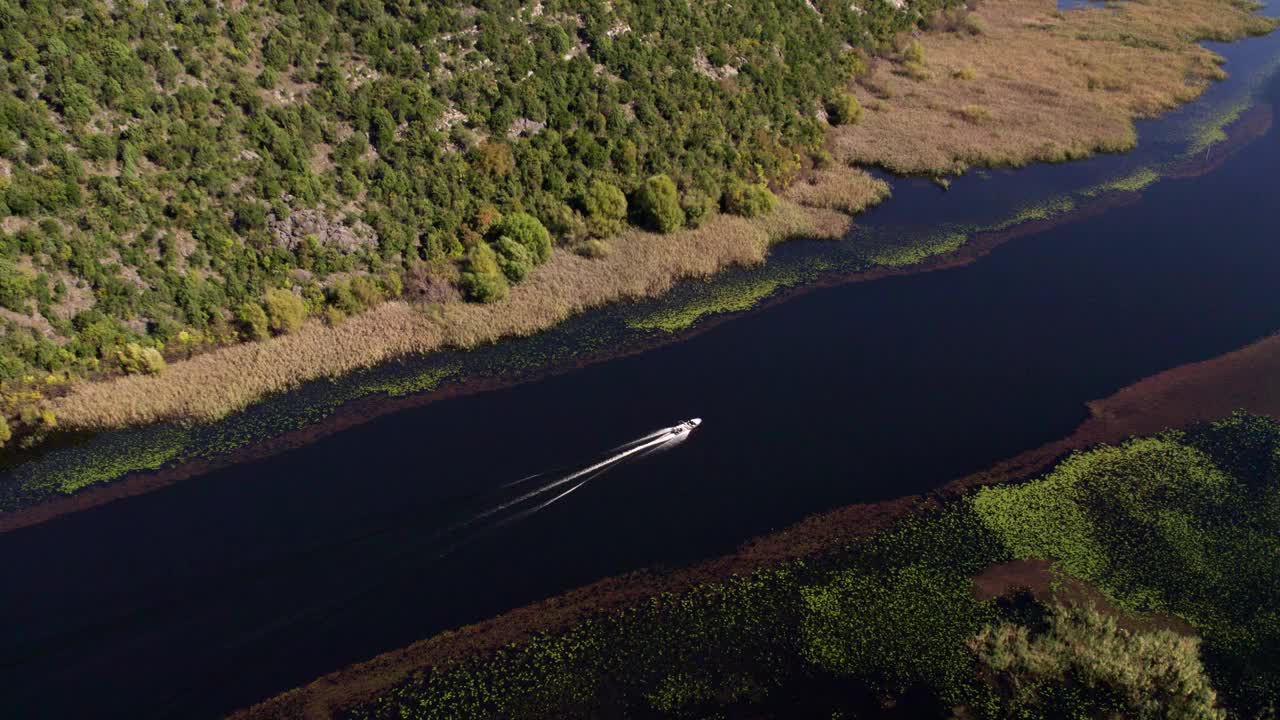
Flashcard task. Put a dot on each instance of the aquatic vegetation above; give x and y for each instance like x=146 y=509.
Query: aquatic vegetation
x=1214 y=129
x=1184 y=523
x=1136 y=181
x=1045 y=210
x=109 y=457
x=917 y=250
x=719 y=300
x=68 y=471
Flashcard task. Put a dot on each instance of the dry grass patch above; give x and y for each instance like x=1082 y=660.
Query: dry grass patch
x=848 y=190
x=1056 y=86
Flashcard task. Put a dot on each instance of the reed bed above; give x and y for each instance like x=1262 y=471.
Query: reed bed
x=640 y=264
x=1039 y=85
x=847 y=190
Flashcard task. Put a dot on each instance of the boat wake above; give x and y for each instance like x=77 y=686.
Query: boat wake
x=535 y=500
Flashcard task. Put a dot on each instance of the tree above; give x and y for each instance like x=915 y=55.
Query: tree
x=698 y=208
x=749 y=199
x=483 y=281
x=658 y=204
x=606 y=209
x=529 y=232
x=15 y=286
x=253 y=321
x=135 y=359
x=844 y=109
x=285 y=311
x=5 y=433
x=513 y=259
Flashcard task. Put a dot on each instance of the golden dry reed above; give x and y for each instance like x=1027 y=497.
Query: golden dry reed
x=641 y=264
x=1038 y=84
x=1034 y=84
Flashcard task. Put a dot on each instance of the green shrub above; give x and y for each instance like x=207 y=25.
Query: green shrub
x=366 y=291
x=513 y=258
x=1084 y=665
x=749 y=199
x=135 y=359
x=340 y=296
x=844 y=109
x=16 y=288
x=913 y=53
x=528 y=231
x=5 y=433
x=566 y=223
x=698 y=208
x=658 y=205
x=253 y=321
x=606 y=209
x=483 y=280
x=285 y=311
x=593 y=248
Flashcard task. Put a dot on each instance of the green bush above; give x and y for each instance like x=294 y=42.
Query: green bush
x=844 y=109
x=513 y=259
x=483 y=280
x=135 y=359
x=606 y=209
x=749 y=199
x=658 y=205
x=285 y=311
x=16 y=288
x=1085 y=666
x=253 y=321
x=698 y=208
x=5 y=433
x=528 y=231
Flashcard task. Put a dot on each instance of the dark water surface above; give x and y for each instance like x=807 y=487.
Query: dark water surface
x=223 y=589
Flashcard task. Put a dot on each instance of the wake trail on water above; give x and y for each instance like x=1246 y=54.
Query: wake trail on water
x=412 y=557
x=637 y=447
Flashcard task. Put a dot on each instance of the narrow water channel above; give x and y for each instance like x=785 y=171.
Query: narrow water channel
x=222 y=589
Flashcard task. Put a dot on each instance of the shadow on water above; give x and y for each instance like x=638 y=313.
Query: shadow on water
x=219 y=590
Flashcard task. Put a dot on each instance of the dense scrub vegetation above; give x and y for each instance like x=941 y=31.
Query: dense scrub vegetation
x=167 y=171
x=1179 y=528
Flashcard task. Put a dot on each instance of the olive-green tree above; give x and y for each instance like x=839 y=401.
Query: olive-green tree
x=658 y=205
x=285 y=311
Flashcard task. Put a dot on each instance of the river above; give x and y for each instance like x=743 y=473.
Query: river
x=225 y=588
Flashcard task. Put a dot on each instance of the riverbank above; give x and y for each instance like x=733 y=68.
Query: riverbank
x=1240 y=380
x=642 y=264
x=905 y=617
x=1233 y=131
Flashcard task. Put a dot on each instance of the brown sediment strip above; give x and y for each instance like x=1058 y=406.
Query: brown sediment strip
x=1247 y=379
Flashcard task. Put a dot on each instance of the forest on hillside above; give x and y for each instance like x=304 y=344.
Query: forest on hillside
x=175 y=176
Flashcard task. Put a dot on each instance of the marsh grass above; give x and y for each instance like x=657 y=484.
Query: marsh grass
x=639 y=264
x=1056 y=87
x=845 y=189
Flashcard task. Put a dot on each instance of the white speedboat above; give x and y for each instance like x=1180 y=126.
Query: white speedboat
x=686 y=426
